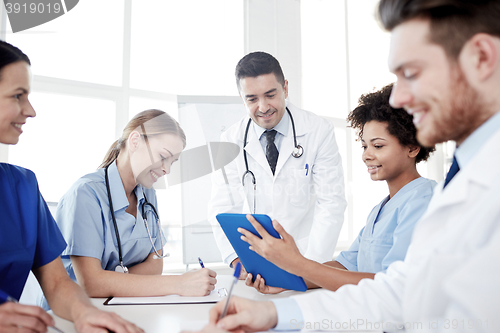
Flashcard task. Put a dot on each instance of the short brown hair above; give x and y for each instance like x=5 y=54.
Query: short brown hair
x=452 y=22
x=258 y=63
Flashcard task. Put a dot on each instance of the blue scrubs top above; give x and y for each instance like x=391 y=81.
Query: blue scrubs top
x=388 y=230
x=84 y=217
x=29 y=237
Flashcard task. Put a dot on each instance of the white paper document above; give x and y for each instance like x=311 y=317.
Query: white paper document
x=220 y=291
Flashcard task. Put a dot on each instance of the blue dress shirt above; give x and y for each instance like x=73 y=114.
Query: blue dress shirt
x=466 y=151
x=29 y=237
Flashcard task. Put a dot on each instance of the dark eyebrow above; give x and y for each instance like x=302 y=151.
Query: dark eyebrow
x=22 y=89
x=377 y=139
x=397 y=69
x=406 y=64
x=267 y=92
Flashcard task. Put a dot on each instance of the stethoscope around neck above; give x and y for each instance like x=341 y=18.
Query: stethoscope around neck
x=297 y=152
x=121 y=268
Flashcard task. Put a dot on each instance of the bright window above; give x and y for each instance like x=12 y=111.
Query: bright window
x=186 y=47
x=104 y=61
x=85 y=44
x=67 y=139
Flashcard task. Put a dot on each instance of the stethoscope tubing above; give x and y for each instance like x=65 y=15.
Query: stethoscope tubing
x=117 y=233
x=298 y=151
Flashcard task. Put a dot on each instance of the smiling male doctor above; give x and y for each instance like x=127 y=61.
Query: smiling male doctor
x=306 y=192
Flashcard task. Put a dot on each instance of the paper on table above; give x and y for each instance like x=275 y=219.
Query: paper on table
x=220 y=291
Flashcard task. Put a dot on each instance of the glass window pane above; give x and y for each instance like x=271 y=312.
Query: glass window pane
x=324 y=75
x=67 y=139
x=368 y=49
x=186 y=47
x=85 y=44
x=138 y=104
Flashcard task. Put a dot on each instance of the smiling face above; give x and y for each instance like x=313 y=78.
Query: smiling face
x=15 y=108
x=430 y=86
x=150 y=163
x=383 y=154
x=264 y=98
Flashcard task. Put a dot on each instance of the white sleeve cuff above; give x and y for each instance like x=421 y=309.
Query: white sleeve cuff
x=289 y=314
x=229 y=259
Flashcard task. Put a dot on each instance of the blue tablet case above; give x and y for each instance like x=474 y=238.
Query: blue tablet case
x=254 y=263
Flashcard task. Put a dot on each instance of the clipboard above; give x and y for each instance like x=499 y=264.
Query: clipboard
x=253 y=262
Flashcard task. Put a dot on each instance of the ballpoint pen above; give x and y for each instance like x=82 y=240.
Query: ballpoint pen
x=236 y=275
x=7 y=298
x=201 y=262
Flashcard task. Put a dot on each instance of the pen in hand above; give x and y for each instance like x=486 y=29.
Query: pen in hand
x=236 y=275
x=7 y=298
x=201 y=262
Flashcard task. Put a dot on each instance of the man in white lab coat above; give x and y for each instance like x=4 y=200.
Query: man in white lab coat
x=304 y=192
x=446 y=57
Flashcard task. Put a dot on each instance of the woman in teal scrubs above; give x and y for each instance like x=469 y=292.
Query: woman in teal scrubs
x=29 y=237
x=391 y=153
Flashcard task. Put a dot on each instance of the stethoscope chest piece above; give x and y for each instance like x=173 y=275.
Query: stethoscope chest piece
x=298 y=151
x=121 y=269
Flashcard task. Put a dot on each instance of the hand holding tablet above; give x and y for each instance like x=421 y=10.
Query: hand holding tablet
x=251 y=260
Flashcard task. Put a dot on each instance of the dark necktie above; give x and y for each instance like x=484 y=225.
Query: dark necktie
x=271 y=150
x=453 y=171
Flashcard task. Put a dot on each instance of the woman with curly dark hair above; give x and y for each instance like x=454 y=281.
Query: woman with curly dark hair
x=391 y=153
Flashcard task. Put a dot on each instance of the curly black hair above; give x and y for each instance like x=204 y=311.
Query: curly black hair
x=375 y=106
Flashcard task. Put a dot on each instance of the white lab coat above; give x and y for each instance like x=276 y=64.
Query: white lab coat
x=450 y=279
x=309 y=203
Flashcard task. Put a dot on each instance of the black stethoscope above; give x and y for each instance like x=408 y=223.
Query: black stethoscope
x=297 y=152
x=121 y=268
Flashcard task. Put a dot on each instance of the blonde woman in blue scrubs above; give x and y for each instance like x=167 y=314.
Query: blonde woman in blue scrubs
x=391 y=153
x=121 y=190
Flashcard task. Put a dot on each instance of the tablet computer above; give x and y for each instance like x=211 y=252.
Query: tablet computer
x=253 y=262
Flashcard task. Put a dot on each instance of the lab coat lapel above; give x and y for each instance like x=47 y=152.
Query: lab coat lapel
x=254 y=150
x=286 y=150
x=482 y=168
x=288 y=144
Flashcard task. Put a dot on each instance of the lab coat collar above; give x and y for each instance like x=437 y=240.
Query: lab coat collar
x=467 y=150
x=282 y=127
x=254 y=148
x=288 y=144
x=479 y=171
x=299 y=118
